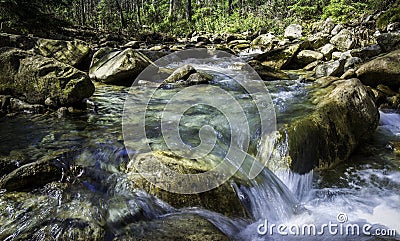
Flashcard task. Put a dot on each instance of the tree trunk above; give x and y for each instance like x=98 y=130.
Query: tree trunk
x=189 y=10
x=138 y=18
x=230 y=8
x=121 y=13
x=83 y=12
x=171 y=8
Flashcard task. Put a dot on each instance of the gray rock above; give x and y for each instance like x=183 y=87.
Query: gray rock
x=336 y=29
x=366 y=52
x=34 y=78
x=389 y=41
x=293 y=31
x=383 y=70
x=344 y=40
x=328 y=26
x=181 y=73
x=351 y=63
x=318 y=40
x=118 y=67
x=327 y=50
x=306 y=57
x=332 y=68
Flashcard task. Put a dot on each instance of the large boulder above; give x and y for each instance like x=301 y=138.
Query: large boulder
x=389 y=41
x=383 y=70
x=69 y=52
x=345 y=114
x=222 y=199
x=34 y=78
x=293 y=31
x=279 y=58
x=344 y=40
x=268 y=73
x=118 y=66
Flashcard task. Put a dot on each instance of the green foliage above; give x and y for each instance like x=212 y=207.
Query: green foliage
x=308 y=9
x=390 y=16
x=342 y=10
x=216 y=17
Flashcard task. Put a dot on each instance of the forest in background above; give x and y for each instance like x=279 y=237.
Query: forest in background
x=181 y=17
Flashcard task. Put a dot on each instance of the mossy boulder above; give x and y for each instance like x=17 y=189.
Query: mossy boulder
x=279 y=58
x=383 y=70
x=118 y=66
x=268 y=73
x=34 y=78
x=69 y=52
x=222 y=199
x=345 y=114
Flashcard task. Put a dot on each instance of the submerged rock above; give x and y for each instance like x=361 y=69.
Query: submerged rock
x=173 y=227
x=383 y=70
x=32 y=175
x=222 y=199
x=118 y=66
x=345 y=115
x=34 y=78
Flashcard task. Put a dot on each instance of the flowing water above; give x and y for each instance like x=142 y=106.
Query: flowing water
x=95 y=193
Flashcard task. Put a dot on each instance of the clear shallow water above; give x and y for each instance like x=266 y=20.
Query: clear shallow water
x=367 y=191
